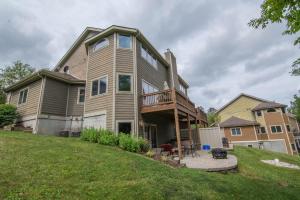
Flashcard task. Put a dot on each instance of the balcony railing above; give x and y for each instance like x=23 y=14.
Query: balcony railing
x=166 y=97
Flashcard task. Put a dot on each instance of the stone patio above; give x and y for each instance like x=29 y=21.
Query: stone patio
x=205 y=161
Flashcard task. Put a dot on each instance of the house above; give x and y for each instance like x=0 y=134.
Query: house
x=250 y=121
x=110 y=78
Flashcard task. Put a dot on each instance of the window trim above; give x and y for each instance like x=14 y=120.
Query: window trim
x=78 y=95
x=276 y=129
x=91 y=85
x=131 y=83
x=124 y=121
x=236 y=128
x=21 y=104
x=94 y=45
x=118 y=43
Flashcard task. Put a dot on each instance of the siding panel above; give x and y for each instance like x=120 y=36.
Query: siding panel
x=74 y=109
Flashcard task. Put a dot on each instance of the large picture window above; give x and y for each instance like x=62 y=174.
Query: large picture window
x=23 y=96
x=148 y=57
x=99 y=86
x=124 y=82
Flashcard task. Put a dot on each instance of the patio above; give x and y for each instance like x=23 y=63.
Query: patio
x=203 y=160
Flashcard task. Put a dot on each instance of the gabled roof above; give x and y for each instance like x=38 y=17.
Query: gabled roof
x=266 y=105
x=236 y=122
x=77 y=42
x=67 y=78
x=236 y=98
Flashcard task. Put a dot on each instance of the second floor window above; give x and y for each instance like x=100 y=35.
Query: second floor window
x=258 y=113
x=81 y=95
x=124 y=83
x=148 y=88
x=182 y=88
x=99 y=86
x=23 y=96
x=124 y=41
x=262 y=129
x=276 y=129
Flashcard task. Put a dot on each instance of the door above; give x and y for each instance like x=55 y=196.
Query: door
x=150 y=133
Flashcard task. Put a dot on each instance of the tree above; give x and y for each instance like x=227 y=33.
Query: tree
x=12 y=74
x=295 y=107
x=8 y=114
x=212 y=118
x=278 y=11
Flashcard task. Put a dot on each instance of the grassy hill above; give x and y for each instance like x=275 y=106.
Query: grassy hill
x=47 y=167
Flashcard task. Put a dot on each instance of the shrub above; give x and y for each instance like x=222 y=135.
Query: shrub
x=150 y=154
x=144 y=145
x=8 y=114
x=132 y=144
x=107 y=137
x=90 y=134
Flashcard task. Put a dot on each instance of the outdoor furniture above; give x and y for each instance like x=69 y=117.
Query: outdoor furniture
x=225 y=142
x=167 y=147
x=64 y=133
x=75 y=134
x=219 y=153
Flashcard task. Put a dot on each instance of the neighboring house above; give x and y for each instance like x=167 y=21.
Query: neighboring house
x=255 y=122
x=110 y=78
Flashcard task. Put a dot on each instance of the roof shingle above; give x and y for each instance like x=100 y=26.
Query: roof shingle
x=235 y=122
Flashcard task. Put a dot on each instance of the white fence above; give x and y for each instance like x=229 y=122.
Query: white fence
x=211 y=136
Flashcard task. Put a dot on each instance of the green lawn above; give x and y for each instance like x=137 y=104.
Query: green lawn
x=48 y=167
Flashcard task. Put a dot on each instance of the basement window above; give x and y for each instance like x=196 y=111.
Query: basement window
x=23 y=96
x=124 y=127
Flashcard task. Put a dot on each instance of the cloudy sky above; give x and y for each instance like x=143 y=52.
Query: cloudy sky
x=217 y=53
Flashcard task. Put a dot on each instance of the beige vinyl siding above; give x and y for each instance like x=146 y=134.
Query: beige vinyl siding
x=74 y=109
x=55 y=98
x=76 y=62
x=124 y=108
x=31 y=105
x=100 y=63
x=147 y=72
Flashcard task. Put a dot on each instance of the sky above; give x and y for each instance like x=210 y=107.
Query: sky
x=217 y=53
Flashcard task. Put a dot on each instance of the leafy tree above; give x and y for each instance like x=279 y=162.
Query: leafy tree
x=295 y=107
x=11 y=74
x=212 y=118
x=278 y=11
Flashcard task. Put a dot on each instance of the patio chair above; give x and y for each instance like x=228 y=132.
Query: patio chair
x=167 y=148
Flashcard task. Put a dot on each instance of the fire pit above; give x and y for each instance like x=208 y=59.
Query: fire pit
x=219 y=153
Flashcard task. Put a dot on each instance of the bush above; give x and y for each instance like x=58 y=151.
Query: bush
x=107 y=137
x=90 y=134
x=131 y=144
x=8 y=114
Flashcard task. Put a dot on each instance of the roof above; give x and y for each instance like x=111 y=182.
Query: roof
x=236 y=98
x=77 y=42
x=291 y=115
x=236 y=122
x=67 y=78
x=266 y=105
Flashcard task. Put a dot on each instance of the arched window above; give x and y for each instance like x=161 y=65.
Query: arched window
x=66 y=69
x=101 y=44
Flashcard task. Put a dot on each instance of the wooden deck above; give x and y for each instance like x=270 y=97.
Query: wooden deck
x=167 y=100
x=174 y=101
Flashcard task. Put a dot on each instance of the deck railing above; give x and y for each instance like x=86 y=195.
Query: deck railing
x=167 y=97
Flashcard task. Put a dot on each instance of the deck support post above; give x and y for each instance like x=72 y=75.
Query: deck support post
x=178 y=133
x=189 y=129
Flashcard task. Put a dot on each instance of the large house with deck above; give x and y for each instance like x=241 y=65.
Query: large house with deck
x=110 y=78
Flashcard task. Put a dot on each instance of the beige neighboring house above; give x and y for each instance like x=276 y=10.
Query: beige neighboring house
x=250 y=121
x=110 y=78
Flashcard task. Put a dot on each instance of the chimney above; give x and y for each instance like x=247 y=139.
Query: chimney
x=171 y=59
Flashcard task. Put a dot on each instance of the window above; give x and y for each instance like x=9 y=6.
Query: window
x=99 y=86
x=182 y=88
x=81 y=95
x=148 y=88
x=276 y=129
x=148 y=57
x=101 y=44
x=236 y=131
x=288 y=128
x=124 y=83
x=258 y=113
x=124 y=127
x=262 y=129
x=257 y=129
x=66 y=69
x=271 y=110
x=124 y=41
x=23 y=96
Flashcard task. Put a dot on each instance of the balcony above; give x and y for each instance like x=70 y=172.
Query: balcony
x=167 y=100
